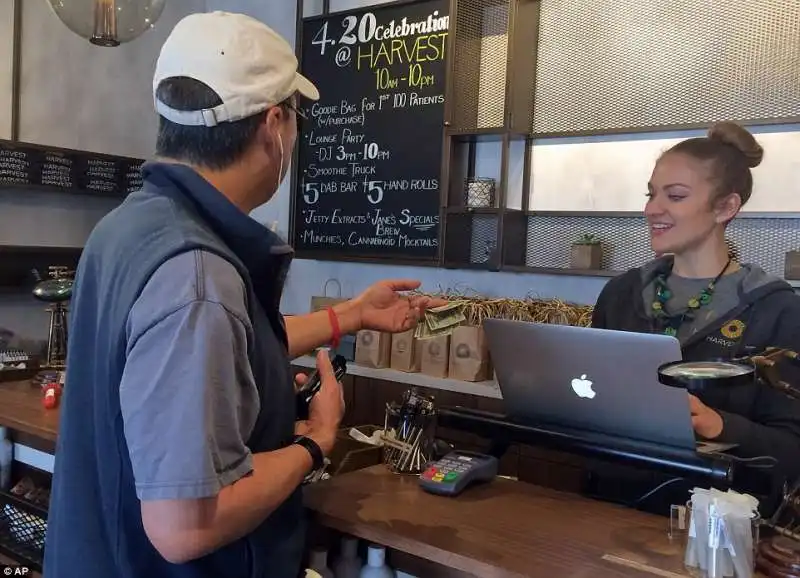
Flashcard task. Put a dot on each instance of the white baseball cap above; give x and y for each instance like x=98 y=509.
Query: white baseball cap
x=249 y=65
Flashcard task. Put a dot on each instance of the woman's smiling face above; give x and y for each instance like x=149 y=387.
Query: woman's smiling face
x=680 y=210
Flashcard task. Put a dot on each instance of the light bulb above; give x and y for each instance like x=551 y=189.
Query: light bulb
x=108 y=22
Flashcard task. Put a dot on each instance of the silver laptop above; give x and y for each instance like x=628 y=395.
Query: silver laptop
x=592 y=379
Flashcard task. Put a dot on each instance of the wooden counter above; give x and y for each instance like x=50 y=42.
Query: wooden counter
x=503 y=529
x=21 y=411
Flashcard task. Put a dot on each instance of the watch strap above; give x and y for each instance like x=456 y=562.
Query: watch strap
x=313 y=448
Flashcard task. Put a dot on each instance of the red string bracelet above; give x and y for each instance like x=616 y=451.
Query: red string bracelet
x=337 y=332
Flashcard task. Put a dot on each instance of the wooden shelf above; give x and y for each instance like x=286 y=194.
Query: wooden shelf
x=481 y=388
x=49 y=168
x=462 y=210
x=562 y=271
x=470 y=266
x=486 y=135
x=18 y=262
x=501 y=115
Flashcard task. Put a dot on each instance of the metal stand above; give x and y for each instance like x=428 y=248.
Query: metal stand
x=56 y=291
x=57 y=338
x=715 y=469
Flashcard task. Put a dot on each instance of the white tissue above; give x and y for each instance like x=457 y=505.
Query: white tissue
x=375 y=439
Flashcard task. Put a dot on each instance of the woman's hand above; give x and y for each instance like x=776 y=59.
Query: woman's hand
x=706 y=422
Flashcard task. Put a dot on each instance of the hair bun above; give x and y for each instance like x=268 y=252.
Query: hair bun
x=740 y=138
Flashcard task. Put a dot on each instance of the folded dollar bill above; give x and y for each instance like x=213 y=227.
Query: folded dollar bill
x=440 y=321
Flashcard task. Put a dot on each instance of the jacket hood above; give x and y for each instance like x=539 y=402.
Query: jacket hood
x=756 y=283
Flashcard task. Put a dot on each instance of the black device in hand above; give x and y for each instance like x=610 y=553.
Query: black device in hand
x=312 y=385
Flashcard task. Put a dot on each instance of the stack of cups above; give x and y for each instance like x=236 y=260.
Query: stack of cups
x=723 y=534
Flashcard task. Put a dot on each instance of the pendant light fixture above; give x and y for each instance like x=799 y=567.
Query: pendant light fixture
x=108 y=22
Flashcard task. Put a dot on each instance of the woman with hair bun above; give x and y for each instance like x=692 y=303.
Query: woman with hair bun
x=714 y=305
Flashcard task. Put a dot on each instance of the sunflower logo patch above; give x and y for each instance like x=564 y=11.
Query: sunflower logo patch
x=733 y=329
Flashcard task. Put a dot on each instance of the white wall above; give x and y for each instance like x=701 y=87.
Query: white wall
x=614 y=171
x=77 y=95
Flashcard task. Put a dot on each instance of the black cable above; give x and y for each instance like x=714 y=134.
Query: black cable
x=760 y=462
x=655 y=490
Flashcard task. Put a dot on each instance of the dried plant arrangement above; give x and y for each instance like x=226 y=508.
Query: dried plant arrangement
x=476 y=308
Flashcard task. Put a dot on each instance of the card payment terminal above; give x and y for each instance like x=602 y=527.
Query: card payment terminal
x=452 y=474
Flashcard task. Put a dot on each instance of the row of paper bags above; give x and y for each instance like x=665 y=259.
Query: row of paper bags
x=463 y=355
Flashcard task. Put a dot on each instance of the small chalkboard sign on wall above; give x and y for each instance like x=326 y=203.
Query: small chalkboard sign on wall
x=52 y=168
x=369 y=159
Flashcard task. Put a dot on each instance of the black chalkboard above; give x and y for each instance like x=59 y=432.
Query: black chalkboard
x=369 y=159
x=36 y=166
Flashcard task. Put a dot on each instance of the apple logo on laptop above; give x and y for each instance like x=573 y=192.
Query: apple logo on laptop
x=583 y=387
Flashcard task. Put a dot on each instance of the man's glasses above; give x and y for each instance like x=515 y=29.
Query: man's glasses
x=298 y=111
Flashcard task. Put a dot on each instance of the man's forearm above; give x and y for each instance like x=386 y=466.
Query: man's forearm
x=243 y=506
x=183 y=531
x=307 y=332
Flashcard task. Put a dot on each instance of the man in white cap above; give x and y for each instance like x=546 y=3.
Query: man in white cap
x=179 y=453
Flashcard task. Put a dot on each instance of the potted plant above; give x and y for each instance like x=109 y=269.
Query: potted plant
x=586 y=253
x=791 y=268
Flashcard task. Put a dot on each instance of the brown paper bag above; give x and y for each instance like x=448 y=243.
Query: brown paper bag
x=320 y=302
x=373 y=348
x=435 y=356
x=469 y=354
x=406 y=352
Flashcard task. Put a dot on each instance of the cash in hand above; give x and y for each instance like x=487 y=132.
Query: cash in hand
x=440 y=321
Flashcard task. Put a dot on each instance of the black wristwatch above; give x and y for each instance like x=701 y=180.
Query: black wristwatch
x=313 y=448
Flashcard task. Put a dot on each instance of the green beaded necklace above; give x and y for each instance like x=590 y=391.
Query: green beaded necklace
x=671 y=323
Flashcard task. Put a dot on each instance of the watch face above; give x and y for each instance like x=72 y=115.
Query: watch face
x=706 y=370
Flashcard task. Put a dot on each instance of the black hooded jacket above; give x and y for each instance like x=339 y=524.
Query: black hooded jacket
x=761 y=420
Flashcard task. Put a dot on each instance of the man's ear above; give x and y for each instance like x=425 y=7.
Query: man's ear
x=269 y=127
x=274 y=117
x=727 y=207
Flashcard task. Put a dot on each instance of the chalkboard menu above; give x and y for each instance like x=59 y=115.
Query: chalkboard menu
x=27 y=165
x=370 y=150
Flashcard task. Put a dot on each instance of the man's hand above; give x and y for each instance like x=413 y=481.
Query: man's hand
x=301 y=427
x=327 y=407
x=706 y=422
x=381 y=307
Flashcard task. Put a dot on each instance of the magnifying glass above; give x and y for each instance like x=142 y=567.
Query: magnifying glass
x=697 y=375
